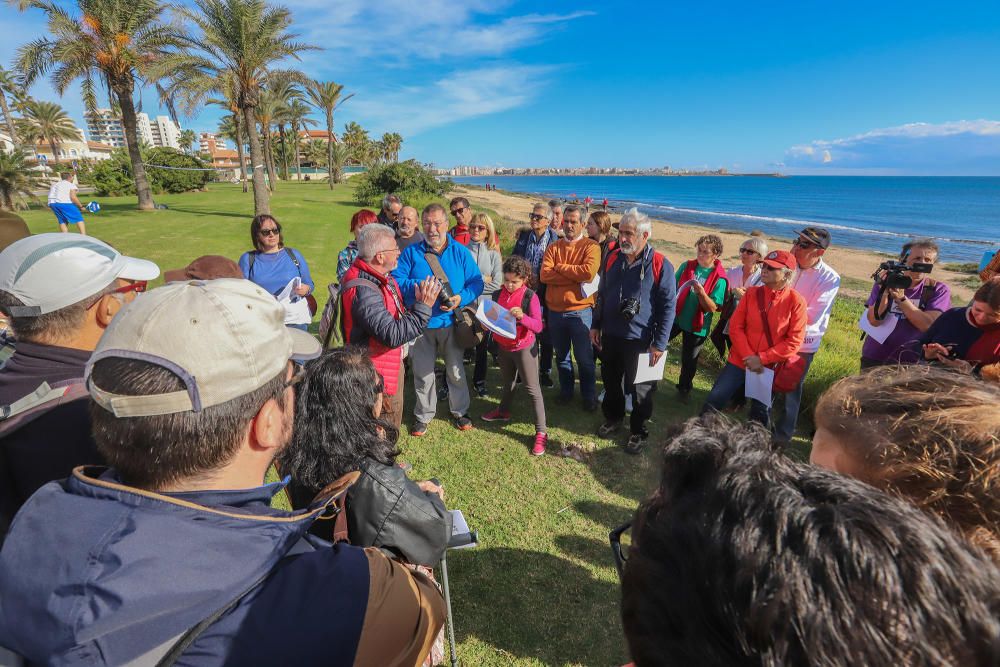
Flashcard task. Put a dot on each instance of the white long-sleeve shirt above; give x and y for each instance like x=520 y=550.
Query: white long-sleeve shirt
x=818 y=286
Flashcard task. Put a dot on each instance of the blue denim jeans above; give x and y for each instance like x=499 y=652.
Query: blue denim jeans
x=573 y=329
x=728 y=385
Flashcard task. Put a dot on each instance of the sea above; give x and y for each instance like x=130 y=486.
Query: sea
x=866 y=212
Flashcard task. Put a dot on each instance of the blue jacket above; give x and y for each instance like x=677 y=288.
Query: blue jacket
x=458 y=264
x=655 y=318
x=94 y=572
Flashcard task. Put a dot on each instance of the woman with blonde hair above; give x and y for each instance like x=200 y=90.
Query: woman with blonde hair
x=484 y=244
x=929 y=435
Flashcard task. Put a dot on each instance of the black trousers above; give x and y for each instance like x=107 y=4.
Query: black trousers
x=619 y=360
x=691 y=345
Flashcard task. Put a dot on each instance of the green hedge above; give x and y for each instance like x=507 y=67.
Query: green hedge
x=113 y=177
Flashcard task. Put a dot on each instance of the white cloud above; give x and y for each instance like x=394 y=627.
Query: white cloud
x=454 y=97
x=955 y=147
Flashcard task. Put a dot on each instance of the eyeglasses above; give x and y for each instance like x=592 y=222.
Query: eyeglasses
x=536 y=216
x=748 y=251
x=139 y=286
x=298 y=376
x=456 y=211
x=395 y=249
x=620 y=555
x=481 y=228
x=805 y=245
x=272 y=231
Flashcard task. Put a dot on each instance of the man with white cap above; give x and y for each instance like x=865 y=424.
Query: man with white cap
x=173 y=554
x=60 y=292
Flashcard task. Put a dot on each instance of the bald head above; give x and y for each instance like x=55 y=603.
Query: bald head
x=408 y=222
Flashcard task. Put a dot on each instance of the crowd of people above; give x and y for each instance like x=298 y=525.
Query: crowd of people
x=138 y=425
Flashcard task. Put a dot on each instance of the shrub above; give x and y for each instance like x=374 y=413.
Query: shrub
x=113 y=177
x=410 y=180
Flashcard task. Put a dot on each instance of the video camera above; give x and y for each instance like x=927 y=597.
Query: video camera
x=892 y=274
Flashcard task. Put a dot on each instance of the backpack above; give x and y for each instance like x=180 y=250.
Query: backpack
x=525 y=298
x=310 y=299
x=331 y=323
x=657 y=263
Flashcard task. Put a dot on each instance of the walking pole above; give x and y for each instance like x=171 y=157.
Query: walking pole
x=447 y=602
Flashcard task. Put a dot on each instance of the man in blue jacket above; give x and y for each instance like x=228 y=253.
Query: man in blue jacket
x=464 y=285
x=634 y=315
x=174 y=552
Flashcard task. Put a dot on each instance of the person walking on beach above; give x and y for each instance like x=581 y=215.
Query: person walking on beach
x=818 y=284
x=65 y=205
x=568 y=264
x=531 y=245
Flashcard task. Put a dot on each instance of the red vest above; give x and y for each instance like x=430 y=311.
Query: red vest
x=386 y=359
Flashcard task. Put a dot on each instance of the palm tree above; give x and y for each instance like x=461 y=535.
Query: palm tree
x=392 y=142
x=230 y=128
x=239 y=43
x=355 y=138
x=315 y=153
x=325 y=95
x=9 y=85
x=298 y=118
x=267 y=108
x=17 y=181
x=339 y=156
x=188 y=137
x=284 y=90
x=114 y=44
x=46 y=123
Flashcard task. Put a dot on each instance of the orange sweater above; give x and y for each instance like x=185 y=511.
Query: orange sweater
x=787 y=317
x=565 y=266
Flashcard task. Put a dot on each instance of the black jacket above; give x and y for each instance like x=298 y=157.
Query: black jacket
x=386 y=509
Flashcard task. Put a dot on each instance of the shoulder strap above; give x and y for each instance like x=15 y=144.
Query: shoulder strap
x=926 y=293
x=526 y=299
x=763 y=318
x=294 y=259
x=612 y=256
x=253 y=258
x=435 y=264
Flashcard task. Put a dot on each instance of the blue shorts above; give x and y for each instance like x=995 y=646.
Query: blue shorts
x=67 y=214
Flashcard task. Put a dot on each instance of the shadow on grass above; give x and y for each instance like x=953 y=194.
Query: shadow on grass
x=214 y=214
x=527 y=604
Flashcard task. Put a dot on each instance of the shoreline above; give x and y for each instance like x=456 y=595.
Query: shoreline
x=676 y=240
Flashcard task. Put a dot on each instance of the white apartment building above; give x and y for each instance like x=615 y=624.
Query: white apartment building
x=105 y=126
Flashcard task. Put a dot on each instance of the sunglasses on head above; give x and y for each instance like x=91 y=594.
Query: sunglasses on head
x=272 y=231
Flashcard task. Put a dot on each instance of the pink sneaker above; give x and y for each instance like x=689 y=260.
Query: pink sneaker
x=496 y=415
x=541 y=439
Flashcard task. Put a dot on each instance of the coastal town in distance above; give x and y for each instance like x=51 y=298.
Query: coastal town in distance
x=469 y=170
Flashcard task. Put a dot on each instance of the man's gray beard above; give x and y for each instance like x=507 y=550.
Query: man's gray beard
x=627 y=248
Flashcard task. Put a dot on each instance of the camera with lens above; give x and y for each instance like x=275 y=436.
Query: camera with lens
x=629 y=308
x=892 y=274
x=444 y=298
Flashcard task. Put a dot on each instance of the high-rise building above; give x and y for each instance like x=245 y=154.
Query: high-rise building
x=209 y=142
x=106 y=127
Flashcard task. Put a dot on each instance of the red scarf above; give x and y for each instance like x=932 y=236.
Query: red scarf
x=717 y=274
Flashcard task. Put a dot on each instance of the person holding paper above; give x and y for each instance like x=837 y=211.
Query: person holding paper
x=519 y=357
x=909 y=312
x=567 y=265
x=632 y=323
x=774 y=305
x=273 y=266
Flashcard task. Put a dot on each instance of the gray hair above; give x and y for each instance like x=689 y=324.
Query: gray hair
x=55 y=327
x=637 y=219
x=546 y=210
x=370 y=238
x=757 y=244
x=555 y=203
x=389 y=200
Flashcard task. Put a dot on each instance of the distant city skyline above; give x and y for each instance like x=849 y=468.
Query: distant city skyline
x=865 y=88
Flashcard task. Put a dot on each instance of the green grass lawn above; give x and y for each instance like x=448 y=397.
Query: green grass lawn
x=541 y=589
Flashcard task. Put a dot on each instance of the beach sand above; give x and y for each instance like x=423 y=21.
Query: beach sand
x=676 y=241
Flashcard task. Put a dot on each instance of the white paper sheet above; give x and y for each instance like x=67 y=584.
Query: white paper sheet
x=460 y=528
x=881 y=331
x=590 y=288
x=758 y=385
x=497 y=319
x=296 y=307
x=646 y=373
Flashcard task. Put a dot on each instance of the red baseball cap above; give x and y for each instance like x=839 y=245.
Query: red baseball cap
x=780 y=259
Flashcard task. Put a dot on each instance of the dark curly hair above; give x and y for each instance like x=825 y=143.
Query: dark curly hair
x=335 y=425
x=519 y=266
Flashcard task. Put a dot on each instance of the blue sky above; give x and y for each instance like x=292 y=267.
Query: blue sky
x=798 y=87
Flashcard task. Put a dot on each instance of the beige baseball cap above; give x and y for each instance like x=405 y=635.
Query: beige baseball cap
x=223 y=338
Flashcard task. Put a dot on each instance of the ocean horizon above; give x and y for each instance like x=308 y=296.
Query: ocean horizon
x=880 y=213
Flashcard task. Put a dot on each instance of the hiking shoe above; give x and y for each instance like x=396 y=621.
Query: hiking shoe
x=541 y=439
x=463 y=423
x=636 y=442
x=609 y=427
x=480 y=389
x=496 y=415
x=545 y=380
x=418 y=430
x=591 y=405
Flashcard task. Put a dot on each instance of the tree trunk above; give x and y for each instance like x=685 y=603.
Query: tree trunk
x=284 y=151
x=9 y=119
x=55 y=152
x=261 y=196
x=269 y=159
x=298 y=161
x=329 y=146
x=239 y=150
x=129 y=123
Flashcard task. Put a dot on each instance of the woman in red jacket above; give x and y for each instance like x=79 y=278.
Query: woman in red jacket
x=775 y=305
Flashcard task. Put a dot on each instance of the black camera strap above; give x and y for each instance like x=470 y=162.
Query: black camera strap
x=642 y=272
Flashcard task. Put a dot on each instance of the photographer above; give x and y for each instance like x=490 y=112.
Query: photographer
x=915 y=308
x=634 y=315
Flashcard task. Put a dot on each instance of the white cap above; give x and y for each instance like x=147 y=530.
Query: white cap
x=223 y=338
x=48 y=272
